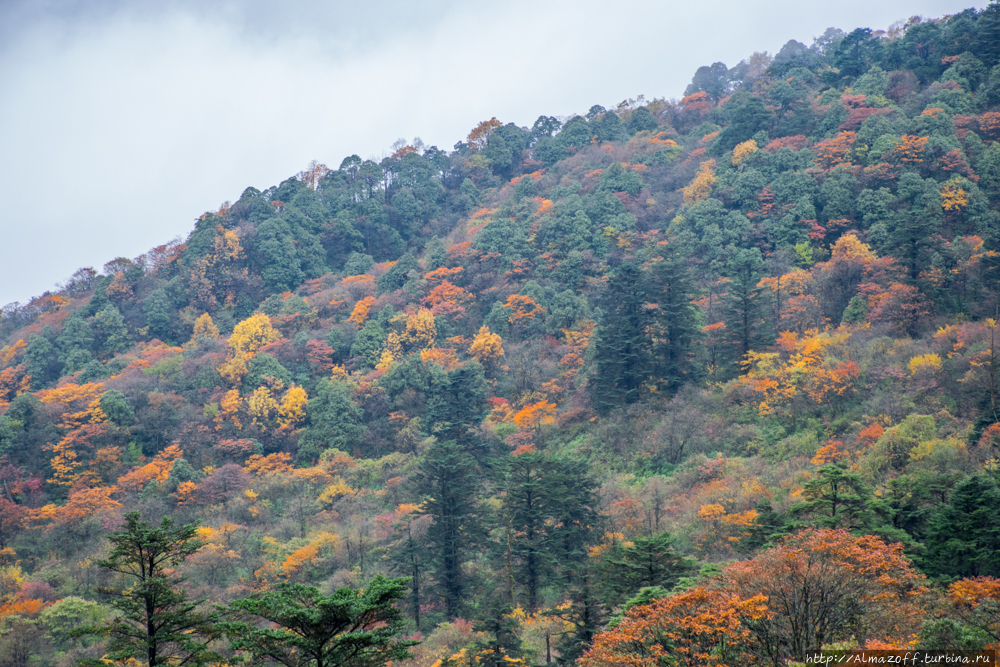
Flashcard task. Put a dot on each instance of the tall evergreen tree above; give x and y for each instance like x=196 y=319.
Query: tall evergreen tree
x=448 y=476
x=620 y=351
x=548 y=508
x=158 y=623
x=743 y=312
x=675 y=326
x=964 y=535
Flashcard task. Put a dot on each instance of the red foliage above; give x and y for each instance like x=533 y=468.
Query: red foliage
x=795 y=142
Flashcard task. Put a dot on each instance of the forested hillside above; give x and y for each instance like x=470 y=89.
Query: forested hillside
x=620 y=384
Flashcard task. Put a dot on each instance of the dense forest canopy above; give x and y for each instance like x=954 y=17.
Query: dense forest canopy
x=612 y=387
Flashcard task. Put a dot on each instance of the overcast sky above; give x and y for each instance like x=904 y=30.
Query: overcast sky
x=122 y=121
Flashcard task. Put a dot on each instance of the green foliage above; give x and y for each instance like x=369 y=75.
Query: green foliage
x=309 y=628
x=117 y=408
x=448 y=476
x=964 y=534
x=648 y=561
x=157 y=623
x=334 y=421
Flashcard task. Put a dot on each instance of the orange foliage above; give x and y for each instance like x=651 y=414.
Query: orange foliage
x=829 y=453
x=522 y=308
x=280 y=462
x=157 y=470
x=442 y=273
x=481 y=133
x=806 y=370
x=442 y=356
x=544 y=205
x=66 y=463
x=531 y=416
x=360 y=312
x=818 y=575
x=692 y=629
x=833 y=152
x=11 y=352
x=910 y=148
x=989 y=123
x=14 y=381
x=299 y=559
x=447 y=293
x=795 y=142
x=82 y=503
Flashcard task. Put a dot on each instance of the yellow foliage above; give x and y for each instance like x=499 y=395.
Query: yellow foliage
x=204 y=327
x=293 y=406
x=807 y=369
x=849 y=247
x=744 y=150
x=235 y=368
x=229 y=408
x=701 y=186
x=928 y=447
x=741 y=519
x=790 y=284
x=391 y=352
x=420 y=330
x=280 y=462
x=928 y=362
x=711 y=511
x=953 y=197
x=337 y=489
x=486 y=346
x=260 y=405
x=252 y=333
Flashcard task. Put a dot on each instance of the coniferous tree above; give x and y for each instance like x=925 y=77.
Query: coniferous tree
x=447 y=476
x=620 y=351
x=158 y=623
x=675 y=326
x=743 y=311
x=310 y=629
x=964 y=535
x=548 y=508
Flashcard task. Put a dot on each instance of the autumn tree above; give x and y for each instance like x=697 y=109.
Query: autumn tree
x=704 y=626
x=826 y=585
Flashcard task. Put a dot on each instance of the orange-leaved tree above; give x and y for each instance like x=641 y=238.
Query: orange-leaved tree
x=826 y=585
x=704 y=626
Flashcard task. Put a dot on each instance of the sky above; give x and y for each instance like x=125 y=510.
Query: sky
x=122 y=121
